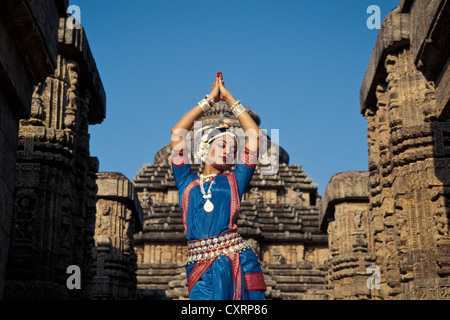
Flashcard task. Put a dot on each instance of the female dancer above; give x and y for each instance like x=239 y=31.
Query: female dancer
x=220 y=264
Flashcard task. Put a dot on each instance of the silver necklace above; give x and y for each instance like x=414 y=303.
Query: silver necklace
x=208 y=206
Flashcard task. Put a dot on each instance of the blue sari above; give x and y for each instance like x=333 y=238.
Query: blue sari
x=234 y=276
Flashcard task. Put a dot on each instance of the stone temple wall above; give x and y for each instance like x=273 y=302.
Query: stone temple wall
x=50 y=188
x=405 y=98
x=28 y=55
x=55 y=190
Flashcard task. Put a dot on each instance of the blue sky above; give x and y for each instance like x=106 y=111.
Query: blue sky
x=298 y=64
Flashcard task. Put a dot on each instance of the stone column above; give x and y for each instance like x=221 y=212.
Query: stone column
x=28 y=53
x=344 y=214
x=55 y=190
x=119 y=217
x=405 y=99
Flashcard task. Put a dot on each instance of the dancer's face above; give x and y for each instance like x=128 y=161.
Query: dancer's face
x=222 y=152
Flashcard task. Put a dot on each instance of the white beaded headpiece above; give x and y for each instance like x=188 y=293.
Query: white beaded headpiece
x=224 y=123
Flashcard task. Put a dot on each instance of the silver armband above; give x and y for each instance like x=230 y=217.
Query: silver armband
x=237 y=109
x=204 y=104
x=211 y=101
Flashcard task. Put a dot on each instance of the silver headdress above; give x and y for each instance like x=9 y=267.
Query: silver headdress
x=212 y=132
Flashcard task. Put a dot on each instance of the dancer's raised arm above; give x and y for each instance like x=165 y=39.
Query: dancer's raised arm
x=249 y=126
x=185 y=124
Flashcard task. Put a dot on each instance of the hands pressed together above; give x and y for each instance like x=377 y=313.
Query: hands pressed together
x=219 y=92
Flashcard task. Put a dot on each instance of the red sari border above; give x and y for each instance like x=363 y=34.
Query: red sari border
x=197 y=273
x=254 y=281
x=237 y=275
x=235 y=202
x=185 y=201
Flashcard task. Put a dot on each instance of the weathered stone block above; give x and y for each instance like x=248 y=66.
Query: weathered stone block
x=394 y=33
x=352 y=186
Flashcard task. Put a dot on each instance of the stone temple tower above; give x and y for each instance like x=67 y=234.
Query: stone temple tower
x=278 y=217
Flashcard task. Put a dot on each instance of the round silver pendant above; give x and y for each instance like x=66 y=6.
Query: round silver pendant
x=208 y=206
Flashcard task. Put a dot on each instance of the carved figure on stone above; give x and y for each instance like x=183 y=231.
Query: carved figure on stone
x=357 y=219
x=390 y=64
x=256 y=195
x=372 y=139
x=83 y=125
x=146 y=200
x=73 y=72
x=441 y=220
x=406 y=267
x=429 y=106
x=65 y=226
x=126 y=239
x=332 y=238
x=37 y=108
x=299 y=197
x=359 y=241
x=392 y=271
x=25 y=204
x=403 y=234
x=73 y=100
x=103 y=219
x=277 y=256
x=394 y=89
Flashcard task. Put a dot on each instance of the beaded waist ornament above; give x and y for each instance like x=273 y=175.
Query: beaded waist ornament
x=211 y=248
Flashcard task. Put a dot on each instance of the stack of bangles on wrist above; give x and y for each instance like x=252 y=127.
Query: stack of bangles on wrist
x=207 y=103
x=237 y=108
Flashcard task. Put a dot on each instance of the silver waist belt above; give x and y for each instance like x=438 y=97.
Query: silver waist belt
x=211 y=248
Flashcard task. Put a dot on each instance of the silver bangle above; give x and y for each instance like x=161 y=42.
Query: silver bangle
x=204 y=104
x=236 y=103
x=211 y=101
x=237 y=109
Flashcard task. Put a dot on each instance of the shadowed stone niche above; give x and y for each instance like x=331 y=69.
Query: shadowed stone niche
x=119 y=217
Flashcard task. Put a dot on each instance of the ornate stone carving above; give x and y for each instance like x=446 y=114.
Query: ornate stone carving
x=119 y=217
x=406 y=235
x=55 y=184
x=344 y=213
x=29 y=49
